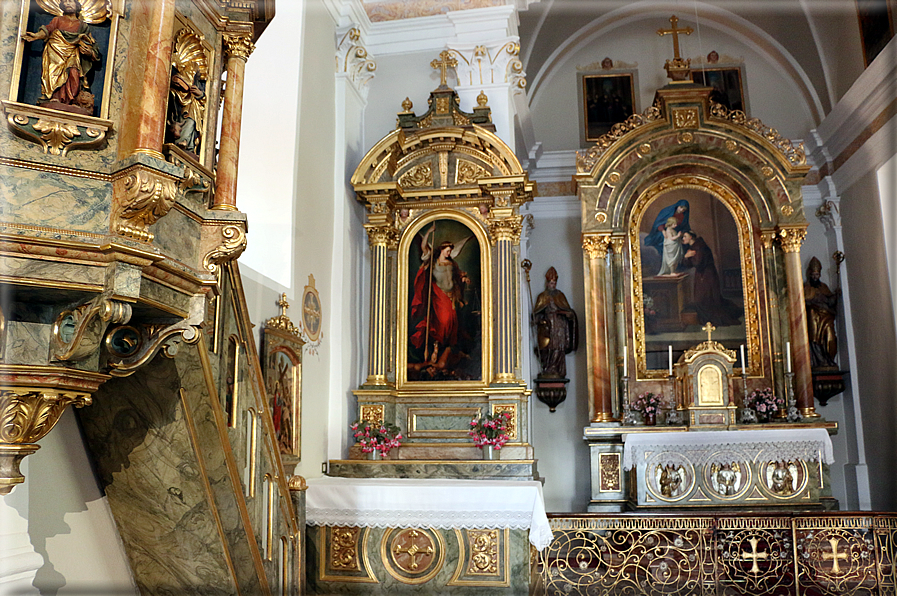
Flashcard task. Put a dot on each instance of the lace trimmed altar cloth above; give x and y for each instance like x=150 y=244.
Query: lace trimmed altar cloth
x=806 y=444
x=437 y=503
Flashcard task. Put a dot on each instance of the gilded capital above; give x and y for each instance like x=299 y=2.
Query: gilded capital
x=507 y=229
x=618 y=242
x=238 y=45
x=767 y=238
x=386 y=236
x=791 y=239
x=596 y=246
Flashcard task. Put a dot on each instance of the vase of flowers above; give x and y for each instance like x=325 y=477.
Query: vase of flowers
x=490 y=432
x=648 y=404
x=377 y=438
x=764 y=402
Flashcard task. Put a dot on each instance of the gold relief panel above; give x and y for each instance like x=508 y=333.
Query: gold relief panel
x=418 y=176
x=412 y=555
x=685 y=118
x=663 y=305
x=343 y=555
x=511 y=427
x=467 y=172
x=609 y=472
x=484 y=558
x=372 y=413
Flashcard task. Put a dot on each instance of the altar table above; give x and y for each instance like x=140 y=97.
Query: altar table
x=436 y=503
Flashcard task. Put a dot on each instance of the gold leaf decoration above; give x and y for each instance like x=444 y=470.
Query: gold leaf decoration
x=56 y=135
x=417 y=177
x=468 y=172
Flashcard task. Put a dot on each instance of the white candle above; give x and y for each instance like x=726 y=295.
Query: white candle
x=625 y=361
x=743 y=370
x=787 y=356
x=671 y=360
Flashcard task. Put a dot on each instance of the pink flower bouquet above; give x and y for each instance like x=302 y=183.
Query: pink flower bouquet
x=491 y=430
x=377 y=437
x=764 y=402
x=648 y=403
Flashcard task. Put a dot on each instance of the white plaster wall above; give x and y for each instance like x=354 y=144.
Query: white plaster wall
x=266 y=182
x=770 y=96
x=562 y=453
x=69 y=520
x=887 y=188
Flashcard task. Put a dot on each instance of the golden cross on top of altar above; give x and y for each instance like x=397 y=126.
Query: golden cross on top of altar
x=708 y=328
x=283 y=304
x=675 y=33
x=445 y=61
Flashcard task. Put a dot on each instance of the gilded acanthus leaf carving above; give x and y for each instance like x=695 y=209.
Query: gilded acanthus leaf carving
x=27 y=416
x=233 y=247
x=148 y=197
x=417 y=177
x=468 y=172
x=57 y=135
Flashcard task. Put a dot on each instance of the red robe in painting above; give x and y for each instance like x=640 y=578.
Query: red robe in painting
x=443 y=319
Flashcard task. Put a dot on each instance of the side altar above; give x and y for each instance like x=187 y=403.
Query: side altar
x=696 y=330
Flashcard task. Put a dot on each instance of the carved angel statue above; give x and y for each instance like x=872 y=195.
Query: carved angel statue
x=70 y=52
x=726 y=478
x=670 y=480
x=440 y=292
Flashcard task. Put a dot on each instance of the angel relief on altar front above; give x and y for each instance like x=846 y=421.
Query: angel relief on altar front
x=444 y=294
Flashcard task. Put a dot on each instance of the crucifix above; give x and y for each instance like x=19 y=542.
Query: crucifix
x=675 y=33
x=414 y=550
x=708 y=328
x=444 y=62
x=754 y=555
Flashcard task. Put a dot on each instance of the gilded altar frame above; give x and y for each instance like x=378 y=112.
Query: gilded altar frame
x=685 y=141
x=443 y=166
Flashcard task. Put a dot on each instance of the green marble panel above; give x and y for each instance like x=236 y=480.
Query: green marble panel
x=27 y=343
x=144 y=456
x=178 y=236
x=165 y=295
x=427 y=422
x=51 y=200
x=52 y=271
x=472 y=470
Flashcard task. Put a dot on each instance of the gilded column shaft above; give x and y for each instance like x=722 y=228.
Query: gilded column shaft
x=599 y=371
x=380 y=238
x=238 y=48
x=156 y=80
x=800 y=346
x=506 y=233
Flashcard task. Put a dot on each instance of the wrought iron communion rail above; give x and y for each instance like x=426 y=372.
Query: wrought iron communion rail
x=842 y=554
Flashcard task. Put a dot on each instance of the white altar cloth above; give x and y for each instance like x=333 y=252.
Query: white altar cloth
x=437 y=503
x=807 y=444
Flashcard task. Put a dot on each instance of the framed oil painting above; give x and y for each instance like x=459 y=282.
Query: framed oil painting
x=606 y=99
x=727 y=85
x=690 y=251
x=444 y=339
x=283 y=384
x=876 y=26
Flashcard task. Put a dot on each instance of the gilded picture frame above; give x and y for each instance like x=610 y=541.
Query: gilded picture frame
x=282 y=365
x=727 y=83
x=670 y=307
x=453 y=345
x=606 y=98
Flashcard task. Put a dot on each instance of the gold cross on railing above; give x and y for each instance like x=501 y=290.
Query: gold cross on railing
x=834 y=555
x=445 y=62
x=283 y=304
x=414 y=550
x=754 y=555
x=675 y=33
x=708 y=328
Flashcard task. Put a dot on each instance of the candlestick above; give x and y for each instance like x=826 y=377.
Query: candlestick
x=625 y=361
x=671 y=360
x=743 y=368
x=787 y=356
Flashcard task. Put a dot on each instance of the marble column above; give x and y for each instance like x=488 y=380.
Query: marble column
x=791 y=240
x=156 y=80
x=505 y=229
x=381 y=238
x=595 y=248
x=237 y=48
x=776 y=322
x=619 y=321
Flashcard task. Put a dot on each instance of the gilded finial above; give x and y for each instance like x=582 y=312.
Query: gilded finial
x=709 y=328
x=283 y=304
x=482 y=100
x=407 y=105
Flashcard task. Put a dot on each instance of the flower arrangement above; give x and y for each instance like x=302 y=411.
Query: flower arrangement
x=490 y=430
x=648 y=403
x=377 y=437
x=764 y=402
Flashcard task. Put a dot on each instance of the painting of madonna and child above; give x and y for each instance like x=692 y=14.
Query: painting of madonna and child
x=691 y=274
x=444 y=304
